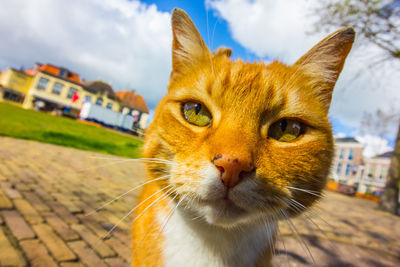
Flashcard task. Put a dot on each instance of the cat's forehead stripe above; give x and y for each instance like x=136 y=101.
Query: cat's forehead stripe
x=246 y=84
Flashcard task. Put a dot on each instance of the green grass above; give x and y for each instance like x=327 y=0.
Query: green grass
x=29 y=124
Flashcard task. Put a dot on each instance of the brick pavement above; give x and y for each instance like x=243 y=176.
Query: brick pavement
x=341 y=231
x=47 y=192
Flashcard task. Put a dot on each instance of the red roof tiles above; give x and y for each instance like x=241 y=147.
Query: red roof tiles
x=132 y=100
x=56 y=71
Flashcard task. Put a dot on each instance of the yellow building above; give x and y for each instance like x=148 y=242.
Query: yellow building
x=50 y=88
x=103 y=95
x=14 y=85
x=48 y=93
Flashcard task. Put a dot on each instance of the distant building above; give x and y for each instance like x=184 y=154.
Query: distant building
x=374 y=175
x=54 y=89
x=347 y=161
x=134 y=104
x=102 y=94
x=363 y=176
x=14 y=86
x=50 y=88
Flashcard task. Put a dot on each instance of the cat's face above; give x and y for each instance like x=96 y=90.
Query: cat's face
x=246 y=141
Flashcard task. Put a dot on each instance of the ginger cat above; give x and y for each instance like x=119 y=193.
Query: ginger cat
x=233 y=148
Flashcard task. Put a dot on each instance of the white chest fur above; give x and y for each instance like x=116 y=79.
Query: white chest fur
x=195 y=243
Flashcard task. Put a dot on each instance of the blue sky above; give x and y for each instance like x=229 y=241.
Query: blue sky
x=128 y=44
x=215 y=33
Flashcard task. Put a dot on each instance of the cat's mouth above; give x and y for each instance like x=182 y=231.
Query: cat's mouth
x=223 y=201
x=226 y=206
x=222 y=211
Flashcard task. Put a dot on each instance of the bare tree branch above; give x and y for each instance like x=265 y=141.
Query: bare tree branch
x=378 y=21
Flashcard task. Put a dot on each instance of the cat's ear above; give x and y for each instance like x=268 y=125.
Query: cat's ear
x=188 y=48
x=222 y=51
x=325 y=61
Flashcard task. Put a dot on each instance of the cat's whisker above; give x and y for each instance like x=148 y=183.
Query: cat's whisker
x=185 y=206
x=151 y=226
x=284 y=246
x=313 y=213
x=333 y=246
x=285 y=216
x=306 y=60
x=270 y=235
x=304 y=244
x=103 y=165
x=120 y=161
x=275 y=218
x=322 y=219
x=165 y=223
x=127 y=192
x=197 y=218
x=213 y=33
x=208 y=35
x=132 y=210
x=295 y=206
x=165 y=195
x=280 y=94
x=139 y=159
x=314 y=193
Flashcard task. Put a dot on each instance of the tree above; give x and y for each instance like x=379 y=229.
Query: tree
x=376 y=22
x=380 y=123
x=390 y=198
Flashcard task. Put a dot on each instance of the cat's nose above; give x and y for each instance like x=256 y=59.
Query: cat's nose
x=232 y=169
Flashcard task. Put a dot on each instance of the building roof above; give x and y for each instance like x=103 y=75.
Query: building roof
x=385 y=155
x=132 y=100
x=100 y=87
x=19 y=71
x=346 y=140
x=53 y=70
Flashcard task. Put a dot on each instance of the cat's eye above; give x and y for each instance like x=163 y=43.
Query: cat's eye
x=196 y=114
x=286 y=130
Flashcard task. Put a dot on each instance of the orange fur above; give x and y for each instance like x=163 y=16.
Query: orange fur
x=244 y=100
x=146 y=241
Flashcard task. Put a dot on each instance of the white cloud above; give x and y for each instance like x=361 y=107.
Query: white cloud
x=125 y=43
x=268 y=28
x=278 y=29
x=373 y=145
x=340 y=135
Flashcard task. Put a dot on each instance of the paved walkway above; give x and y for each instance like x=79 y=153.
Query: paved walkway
x=341 y=231
x=48 y=194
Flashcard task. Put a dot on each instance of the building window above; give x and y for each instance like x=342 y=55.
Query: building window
x=354 y=170
x=71 y=92
x=88 y=99
x=362 y=173
x=341 y=154
x=11 y=95
x=371 y=170
x=63 y=73
x=99 y=101
x=384 y=172
x=339 y=168
x=57 y=88
x=351 y=154
x=348 y=169
x=109 y=105
x=42 y=83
